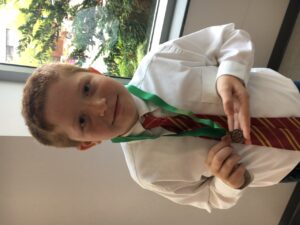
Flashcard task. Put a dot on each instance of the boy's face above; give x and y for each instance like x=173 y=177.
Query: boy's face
x=90 y=107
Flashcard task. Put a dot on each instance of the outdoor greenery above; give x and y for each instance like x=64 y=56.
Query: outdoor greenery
x=116 y=29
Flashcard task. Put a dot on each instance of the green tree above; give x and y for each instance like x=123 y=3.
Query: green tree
x=116 y=29
x=42 y=27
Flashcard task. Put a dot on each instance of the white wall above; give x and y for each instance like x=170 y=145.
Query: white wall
x=261 y=18
x=42 y=185
x=12 y=124
x=46 y=186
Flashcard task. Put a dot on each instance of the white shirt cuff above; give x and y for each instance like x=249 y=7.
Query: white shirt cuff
x=233 y=68
x=225 y=189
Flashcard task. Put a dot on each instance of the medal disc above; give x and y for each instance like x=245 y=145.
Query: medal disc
x=237 y=136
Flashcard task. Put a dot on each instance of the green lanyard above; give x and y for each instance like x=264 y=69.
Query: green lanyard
x=210 y=129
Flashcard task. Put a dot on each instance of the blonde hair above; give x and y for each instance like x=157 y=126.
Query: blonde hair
x=33 y=104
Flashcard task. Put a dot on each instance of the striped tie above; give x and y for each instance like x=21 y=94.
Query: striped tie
x=271 y=132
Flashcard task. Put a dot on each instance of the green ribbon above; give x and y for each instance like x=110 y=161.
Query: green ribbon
x=210 y=129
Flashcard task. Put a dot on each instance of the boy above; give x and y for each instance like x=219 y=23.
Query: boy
x=67 y=106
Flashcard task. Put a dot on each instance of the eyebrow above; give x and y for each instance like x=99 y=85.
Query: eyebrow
x=80 y=82
x=77 y=92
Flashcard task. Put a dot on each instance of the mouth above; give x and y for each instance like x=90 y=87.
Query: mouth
x=116 y=110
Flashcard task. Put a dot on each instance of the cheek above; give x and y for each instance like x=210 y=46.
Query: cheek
x=111 y=90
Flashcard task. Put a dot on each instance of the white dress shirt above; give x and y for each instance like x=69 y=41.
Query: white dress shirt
x=183 y=72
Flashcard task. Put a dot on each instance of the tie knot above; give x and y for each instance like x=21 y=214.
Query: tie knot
x=149 y=121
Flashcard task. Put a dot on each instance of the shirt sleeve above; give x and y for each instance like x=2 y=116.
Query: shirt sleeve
x=177 y=171
x=206 y=194
x=224 y=46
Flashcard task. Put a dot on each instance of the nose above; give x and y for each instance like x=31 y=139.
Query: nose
x=97 y=106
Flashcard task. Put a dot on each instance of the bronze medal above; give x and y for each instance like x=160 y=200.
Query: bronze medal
x=237 y=136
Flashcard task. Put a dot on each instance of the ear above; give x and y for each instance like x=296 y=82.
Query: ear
x=93 y=70
x=83 y=146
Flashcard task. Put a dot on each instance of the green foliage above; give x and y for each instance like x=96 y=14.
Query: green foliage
x=42 y=27
x=116 y=30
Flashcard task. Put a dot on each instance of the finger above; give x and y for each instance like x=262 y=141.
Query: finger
x=219 y=159
x=230 y=122
x=245 y=126
x=228 y=106
x=217 y=147
x=236 y=121
x=244 y=119
x=237 y=178
x=241 y=105
x=229 y=112
x=230 y=165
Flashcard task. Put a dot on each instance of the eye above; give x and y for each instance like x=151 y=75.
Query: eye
x=86 y=89
x=82 y=122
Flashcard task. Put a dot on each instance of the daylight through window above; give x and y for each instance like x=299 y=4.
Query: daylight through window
x=111 y=35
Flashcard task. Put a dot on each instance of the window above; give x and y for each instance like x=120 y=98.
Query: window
x=11 y=44
x=112 y=35
x=164 y=21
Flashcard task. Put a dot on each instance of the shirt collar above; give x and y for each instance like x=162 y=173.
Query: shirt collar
x=142 y=108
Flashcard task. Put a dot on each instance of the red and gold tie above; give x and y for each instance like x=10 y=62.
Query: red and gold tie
x=271 y=132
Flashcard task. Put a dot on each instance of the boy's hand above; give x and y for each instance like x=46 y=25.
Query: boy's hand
x=223 y=163
x=236 y=104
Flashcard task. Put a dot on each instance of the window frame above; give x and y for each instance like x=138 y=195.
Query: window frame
x=169 y=30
